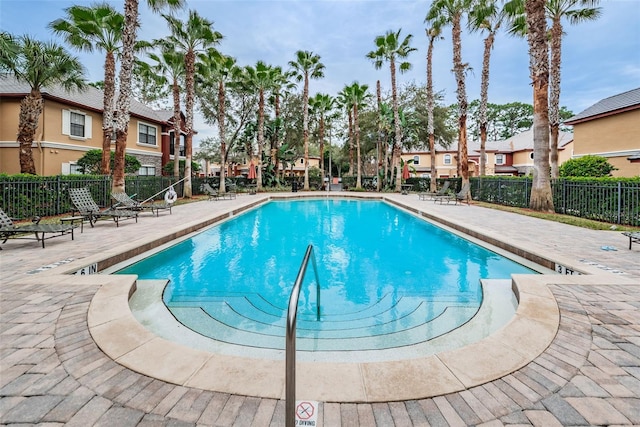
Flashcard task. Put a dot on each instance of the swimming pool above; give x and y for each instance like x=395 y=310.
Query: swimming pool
x=388 y=279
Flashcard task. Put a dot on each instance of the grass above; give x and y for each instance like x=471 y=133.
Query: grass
x=564 y=219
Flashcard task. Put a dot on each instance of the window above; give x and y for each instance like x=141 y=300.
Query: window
x=171 y=146
x=76 y=124
x=146 y=134
x=416 y=160
x=147 y=170
x=531 y=155
x=71 y=169
x=499 y=159
x=447 y=159
x=301 y=161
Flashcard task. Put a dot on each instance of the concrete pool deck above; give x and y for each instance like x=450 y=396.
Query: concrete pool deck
x=52 y=370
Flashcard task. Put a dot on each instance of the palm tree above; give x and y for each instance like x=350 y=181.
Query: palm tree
x=261 y=78
x=218 y=69
x=450 y=12
x=39 y=65
x=353 y=97
x=98 y=27
x=194 y=35
x=123 y=103
x=433 y=34
x=576 y=11
x=322 y=104
x=541 y=197
x=169 y=66
x=487 y=16
x=306 y=66
x=389 y=48
x=281 y=86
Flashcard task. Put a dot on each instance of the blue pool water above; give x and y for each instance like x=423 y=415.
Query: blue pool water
x=387 y=278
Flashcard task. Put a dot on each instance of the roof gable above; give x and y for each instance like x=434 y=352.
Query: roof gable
x=625 y=101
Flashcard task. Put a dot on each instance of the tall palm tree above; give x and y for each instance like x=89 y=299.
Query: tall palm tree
x=576 y=11
x=354 y=96
x=123 y=103
x=169 y=66
x=217 y=69
x=90 y=28
x=344 y=102
x=541 y=197
x=446 y=12
x=190 y=37
x=261 y=78
x=306 y=66
x=390 y=48
x=39 y=65
x=322 y=104
x=433 y=34
x=281 y=86
x=487 y=16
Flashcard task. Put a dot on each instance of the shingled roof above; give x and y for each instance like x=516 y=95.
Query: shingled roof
x=625 y=101
x=90 y=98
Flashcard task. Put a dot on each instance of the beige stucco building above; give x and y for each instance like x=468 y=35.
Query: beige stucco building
x=611 y=128
x=71 y=124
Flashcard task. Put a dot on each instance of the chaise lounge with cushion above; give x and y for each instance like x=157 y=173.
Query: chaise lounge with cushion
x=89 y=209
x=460 y=197
x=634 y=237
x=20 y=231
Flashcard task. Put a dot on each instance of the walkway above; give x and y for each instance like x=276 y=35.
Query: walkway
x=52 y=372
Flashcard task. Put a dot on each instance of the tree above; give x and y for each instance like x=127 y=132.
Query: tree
x=576 y=11
x=450 y=12
x=354 y=97
x=485 y=16
x=587 y=166
x=541 y=196
x=194 y=35
x=217 y=70
x=123 y=103
x=261 y=78
x=306 y=66
x=433 y=34
x=91 y=162
x=169 y=67
x=38 y=64
x=97 y=27
x=389 y=48
x=322 y=104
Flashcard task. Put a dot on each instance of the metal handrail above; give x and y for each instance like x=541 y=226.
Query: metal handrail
x=290 y=344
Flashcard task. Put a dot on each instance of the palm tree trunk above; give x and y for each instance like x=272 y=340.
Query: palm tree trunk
x=176 y=129
x=305 y=129
x=357 y=137
x=30 y=110
x=260 y=138
x=321 y=134
x=459 y=69
x=124 y=99
x=541 y=197
x=223 y=143
x=189 y=65
x=554 y=94
x=430 y=107
x=398 y=131
x=379 y=138
x=107 y=111
x=351 y=139
x=484 y=96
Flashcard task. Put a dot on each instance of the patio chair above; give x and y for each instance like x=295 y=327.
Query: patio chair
x=89 y=209
x=634 y=237
x=209 y=191
x=428 y=195
x=18 y=231
x=126 y=202
x=459 y=197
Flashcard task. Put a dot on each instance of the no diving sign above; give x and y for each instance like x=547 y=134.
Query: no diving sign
x=306 y=413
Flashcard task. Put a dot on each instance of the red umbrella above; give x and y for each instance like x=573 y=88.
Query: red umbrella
x=252 y=171
x=405 y=171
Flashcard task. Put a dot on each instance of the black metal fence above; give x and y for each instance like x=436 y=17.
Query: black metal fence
x=618 y=202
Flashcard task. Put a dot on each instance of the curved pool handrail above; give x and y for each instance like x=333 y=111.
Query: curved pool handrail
x=290 y=340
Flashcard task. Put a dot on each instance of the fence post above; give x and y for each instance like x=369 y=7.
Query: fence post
x=619 y=202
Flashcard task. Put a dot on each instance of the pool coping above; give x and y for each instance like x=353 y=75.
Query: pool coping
x=126 y=341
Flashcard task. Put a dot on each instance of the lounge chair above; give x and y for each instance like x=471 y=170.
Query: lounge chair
x=18 y=231
x=126 y=202
x=209 y=191
x=428 y=195
x=88 y=208
x=459 y=197
x=634 y=237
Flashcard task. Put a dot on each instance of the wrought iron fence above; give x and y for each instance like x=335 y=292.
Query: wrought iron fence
x=610 y=201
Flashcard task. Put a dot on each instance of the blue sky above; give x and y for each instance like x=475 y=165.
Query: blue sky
x=600 y=58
